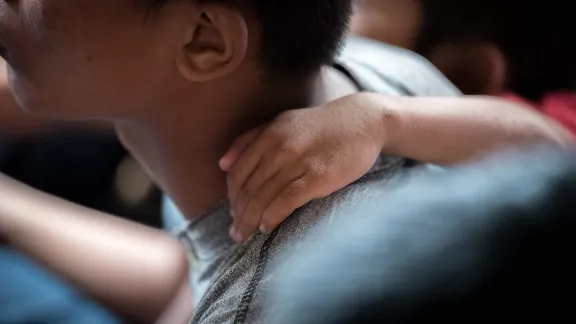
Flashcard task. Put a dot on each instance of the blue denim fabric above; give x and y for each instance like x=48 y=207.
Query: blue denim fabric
x=172 y=218
x=29 y=295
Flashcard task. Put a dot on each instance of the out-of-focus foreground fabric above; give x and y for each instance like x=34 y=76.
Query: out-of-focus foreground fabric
x=479 y=243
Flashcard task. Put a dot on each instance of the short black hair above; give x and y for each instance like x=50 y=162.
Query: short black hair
x=534 y=35
x=298 y=36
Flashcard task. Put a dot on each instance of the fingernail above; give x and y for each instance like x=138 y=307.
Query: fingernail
x=224 y=164
x=264 y=229
x=233 y=214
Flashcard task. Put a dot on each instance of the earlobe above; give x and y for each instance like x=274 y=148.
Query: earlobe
x=215 y=44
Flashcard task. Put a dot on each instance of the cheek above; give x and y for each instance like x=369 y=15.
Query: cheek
x=40 y=18
x=42 y=32
x=65 y=22
x=77 y=55
x=81 y=31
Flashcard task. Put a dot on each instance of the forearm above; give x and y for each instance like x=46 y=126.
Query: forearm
x=130 y=268
x=450 y=130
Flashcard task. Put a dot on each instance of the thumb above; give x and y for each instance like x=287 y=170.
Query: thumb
x=236 y=149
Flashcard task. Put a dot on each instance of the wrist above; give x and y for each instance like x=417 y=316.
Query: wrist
x=389 y=117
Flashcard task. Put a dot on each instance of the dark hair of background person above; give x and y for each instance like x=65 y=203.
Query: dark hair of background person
x=298 y=37
x=535 y=36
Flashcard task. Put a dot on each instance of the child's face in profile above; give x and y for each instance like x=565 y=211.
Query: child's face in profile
x=90 y=58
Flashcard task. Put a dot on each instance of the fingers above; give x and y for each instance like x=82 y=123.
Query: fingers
x=247 y=223
x=275 y=159
x=245 y=166
x=295 y=195
x=236 y=149
x=268 y=166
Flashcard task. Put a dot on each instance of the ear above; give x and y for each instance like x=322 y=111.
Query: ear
x=475 y=68
x=215 y=43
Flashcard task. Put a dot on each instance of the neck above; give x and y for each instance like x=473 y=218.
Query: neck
x=181 y=148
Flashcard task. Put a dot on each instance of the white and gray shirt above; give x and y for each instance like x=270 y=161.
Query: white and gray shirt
x=231 y=282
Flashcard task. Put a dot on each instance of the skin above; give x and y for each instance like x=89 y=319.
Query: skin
x=264 y=193
x=186 y=70
x=396 y=22
x=17 y=124
x=310 y=153
x=12 y=119
x=136 y=271
x=475 y=67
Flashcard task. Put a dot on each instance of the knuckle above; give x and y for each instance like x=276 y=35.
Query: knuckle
x=287 y=116
x=289 y=193
x=289 y=148
x=315 y=167
x=273 y=133
x=294 y=190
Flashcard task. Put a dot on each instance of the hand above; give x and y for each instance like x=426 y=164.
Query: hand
x=302 y=155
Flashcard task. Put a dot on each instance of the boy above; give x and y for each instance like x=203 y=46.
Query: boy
x=203 y=71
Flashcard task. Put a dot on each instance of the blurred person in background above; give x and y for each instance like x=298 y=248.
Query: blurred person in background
x=518 y=50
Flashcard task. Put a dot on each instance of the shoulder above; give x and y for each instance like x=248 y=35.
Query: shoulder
x=240 y=293
x=399 y=66
x=473 y=219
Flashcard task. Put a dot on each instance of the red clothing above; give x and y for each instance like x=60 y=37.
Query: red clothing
x=561 y=106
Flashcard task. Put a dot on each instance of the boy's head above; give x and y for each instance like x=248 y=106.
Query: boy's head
x=483 y=46
x=122 y=58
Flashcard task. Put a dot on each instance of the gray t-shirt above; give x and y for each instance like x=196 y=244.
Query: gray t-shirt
x=231 y=282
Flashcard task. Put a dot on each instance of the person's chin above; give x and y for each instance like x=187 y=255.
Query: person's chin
x=38 y=101
x=65 y=112
x=31 y=101
x=36 y=107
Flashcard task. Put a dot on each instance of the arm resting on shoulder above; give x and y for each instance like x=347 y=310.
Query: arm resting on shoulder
x=448 y=130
